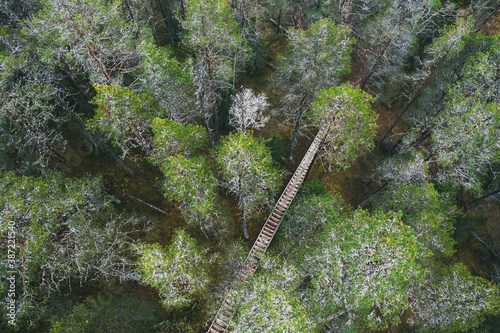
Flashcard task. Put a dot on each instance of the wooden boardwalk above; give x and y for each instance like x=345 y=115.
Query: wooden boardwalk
x=227 y=309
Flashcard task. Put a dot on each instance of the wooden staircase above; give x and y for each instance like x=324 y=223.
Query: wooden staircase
x=266 y=235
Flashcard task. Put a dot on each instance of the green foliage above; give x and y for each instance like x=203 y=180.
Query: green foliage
x=307 y=217
x=178 y=272
x=89 y=35
x=362 y=269
x=168 y=81
x=450 y=42
x=211 y=30
x=64 y=229
x=319 y=58
x=124 y=116
x=28 y=117
x=269 y=302
x=452 y=300
x=406 y=168
x=465 y=137
x=346 y=112
x=320 y=55
x=247 y=170
x=172 y=139
x=110 y=313
x=277 y=145
x=426 y=211
x=190 y=181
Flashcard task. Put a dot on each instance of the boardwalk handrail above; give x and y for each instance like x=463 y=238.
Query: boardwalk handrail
x=266 y=235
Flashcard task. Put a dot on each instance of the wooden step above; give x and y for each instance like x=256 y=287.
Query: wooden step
x=267 y=233
x=218 y=328
x=264 y=236
x=272 y=223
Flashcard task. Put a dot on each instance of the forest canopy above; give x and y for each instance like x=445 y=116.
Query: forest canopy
x=249 y=166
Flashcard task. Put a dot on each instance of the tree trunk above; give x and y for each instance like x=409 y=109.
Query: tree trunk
x=244 y=222
x=183 y=7
x=211 y=139
x=372 y=70
x=373 y=196
x=278 y=23
x=487 y=19
x=478 y=200
x=295 y=133
x=166 y=21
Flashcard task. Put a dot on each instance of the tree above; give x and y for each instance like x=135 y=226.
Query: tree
x=269 y=302
x=192 y=182
x=447 y=61
x=248 y=172
x=410 y=168
x=189 y=176
x=465 y=142
x=64 y=230
x=212 y=33
x=449 y=44
x=178 y=272
x=450 y=299
x=169 y=82
x=124 y=117
x=362 y=270
x=429 y=213
x=318 y=59
x=171 y=139
x=91 y=37
x=29 y=121
x=247 y=110
x=390 y=30
x=461 y=138
x=465 y=136
x=308 y=215
x=350 y=121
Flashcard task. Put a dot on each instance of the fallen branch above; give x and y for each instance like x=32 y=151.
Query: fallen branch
x=280 y=26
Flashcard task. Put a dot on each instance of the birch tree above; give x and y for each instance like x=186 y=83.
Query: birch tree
x=347 y=115
x=248 y=172
x=247 y=110
x=318 y=59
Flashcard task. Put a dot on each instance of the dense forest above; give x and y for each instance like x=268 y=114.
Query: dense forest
x=144 y=146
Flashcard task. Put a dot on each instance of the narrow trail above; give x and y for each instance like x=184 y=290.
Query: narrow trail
x=266 y=235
